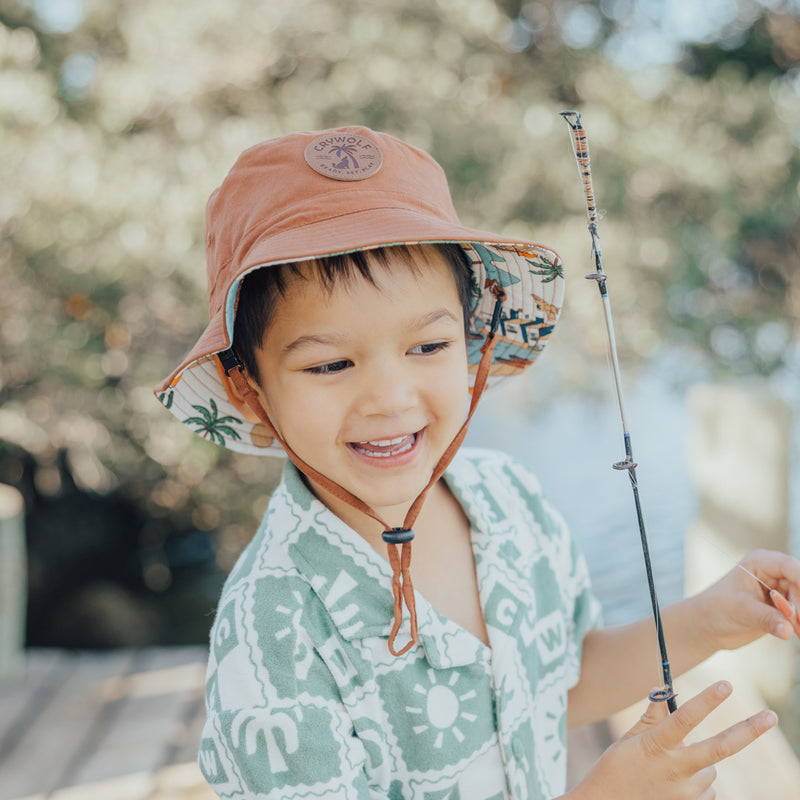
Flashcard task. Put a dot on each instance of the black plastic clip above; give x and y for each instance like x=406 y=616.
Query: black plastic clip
x=398 y=535
x=498 y=307
x=230 y=361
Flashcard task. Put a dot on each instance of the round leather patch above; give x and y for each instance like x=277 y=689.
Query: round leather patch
x=344 y=156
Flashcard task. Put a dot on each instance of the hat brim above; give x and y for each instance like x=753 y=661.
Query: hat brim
x=529 y=274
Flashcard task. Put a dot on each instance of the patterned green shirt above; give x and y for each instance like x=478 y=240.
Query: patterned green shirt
x=305 y=700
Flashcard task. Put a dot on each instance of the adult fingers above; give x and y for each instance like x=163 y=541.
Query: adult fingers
x=731 y=740
x=673 y=730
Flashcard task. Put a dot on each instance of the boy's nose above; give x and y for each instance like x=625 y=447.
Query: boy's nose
x=387 y=390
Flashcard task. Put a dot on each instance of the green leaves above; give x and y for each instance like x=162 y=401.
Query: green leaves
x=211 y=426
x=546 y=269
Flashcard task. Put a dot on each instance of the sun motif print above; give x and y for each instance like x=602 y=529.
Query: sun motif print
x=442 y=708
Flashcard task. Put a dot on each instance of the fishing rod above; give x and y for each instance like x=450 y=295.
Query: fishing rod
x=580 y=147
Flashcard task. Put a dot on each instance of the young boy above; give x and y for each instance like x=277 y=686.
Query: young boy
x=354 y=326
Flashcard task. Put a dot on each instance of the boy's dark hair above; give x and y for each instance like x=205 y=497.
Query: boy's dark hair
x=260 y=288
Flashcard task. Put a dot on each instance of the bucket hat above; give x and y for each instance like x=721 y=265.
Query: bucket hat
x=321 y=193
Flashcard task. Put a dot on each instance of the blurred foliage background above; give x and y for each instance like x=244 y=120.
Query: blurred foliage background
x=119 y=117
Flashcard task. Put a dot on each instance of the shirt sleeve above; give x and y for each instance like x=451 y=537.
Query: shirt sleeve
x=582 y=608
x=578 y=605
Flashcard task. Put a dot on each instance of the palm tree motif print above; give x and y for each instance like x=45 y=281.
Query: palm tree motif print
x=545 y=269
x=248 y=727
x=212 y=426
x=347 y=153
x=166 y=398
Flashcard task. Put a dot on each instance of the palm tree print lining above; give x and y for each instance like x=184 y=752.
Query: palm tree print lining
x=547 y=270
x=211 y=426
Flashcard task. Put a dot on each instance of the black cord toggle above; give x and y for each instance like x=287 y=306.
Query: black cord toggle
x=398 y=535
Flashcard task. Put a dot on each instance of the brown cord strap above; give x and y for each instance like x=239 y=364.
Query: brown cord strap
x=402 y=589
x=399 y=555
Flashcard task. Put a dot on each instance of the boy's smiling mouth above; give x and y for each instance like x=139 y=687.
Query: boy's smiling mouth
x=386 y=448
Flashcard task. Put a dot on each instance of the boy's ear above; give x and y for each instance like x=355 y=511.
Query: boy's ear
x=234 y=395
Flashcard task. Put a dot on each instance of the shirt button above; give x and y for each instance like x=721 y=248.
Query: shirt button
x=517 y=748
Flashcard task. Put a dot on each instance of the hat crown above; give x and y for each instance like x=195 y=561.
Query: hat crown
x=274 y=188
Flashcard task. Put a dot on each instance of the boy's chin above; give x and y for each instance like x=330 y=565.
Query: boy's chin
x=391 y=503
x=391 y=507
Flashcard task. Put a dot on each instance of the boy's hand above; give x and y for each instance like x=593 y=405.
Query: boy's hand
x=651 y=762
x=739 y=609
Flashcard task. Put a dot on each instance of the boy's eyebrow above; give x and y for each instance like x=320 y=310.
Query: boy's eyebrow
x=313 y=338
x=434 y=316
x=336 y=339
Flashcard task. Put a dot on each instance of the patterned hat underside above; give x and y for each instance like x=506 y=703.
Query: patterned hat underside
x=531 y=278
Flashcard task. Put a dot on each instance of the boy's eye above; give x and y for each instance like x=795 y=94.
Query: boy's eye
x=428 y=348
x=329 y=369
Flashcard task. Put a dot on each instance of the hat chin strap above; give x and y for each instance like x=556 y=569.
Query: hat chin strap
x=398 y=540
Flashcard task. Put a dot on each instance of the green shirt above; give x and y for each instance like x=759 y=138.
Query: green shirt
x=305 y=700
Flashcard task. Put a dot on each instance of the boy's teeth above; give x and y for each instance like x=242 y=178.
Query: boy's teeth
x=385 y=442
x=383 y=448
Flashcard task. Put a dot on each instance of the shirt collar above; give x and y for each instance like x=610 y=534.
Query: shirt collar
x=353 y=581
x=336 y=560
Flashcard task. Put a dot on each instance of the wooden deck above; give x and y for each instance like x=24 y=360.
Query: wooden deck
x=125 y=726
x=104 y=726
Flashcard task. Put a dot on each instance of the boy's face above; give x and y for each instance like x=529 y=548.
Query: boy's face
x=368 y=383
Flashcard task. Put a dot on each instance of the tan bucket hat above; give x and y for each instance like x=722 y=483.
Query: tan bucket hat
x=313 y=194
